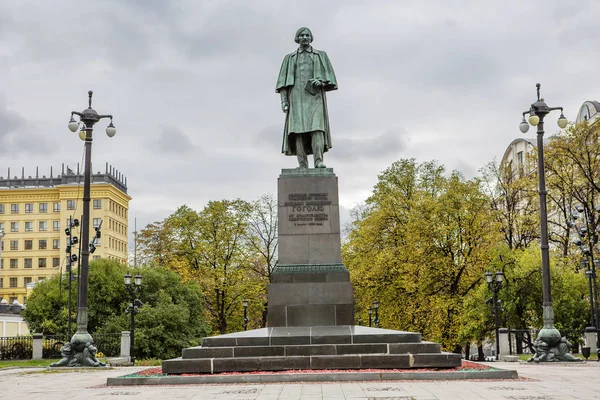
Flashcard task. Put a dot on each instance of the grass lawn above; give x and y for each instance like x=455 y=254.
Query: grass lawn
x=26 y=363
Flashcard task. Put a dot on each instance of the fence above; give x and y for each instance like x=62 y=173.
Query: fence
x=108 y=344
x=16 y=348
x=22 y=347
x=51 y=345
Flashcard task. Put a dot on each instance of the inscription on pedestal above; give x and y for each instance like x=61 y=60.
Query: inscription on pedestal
x=308 y=209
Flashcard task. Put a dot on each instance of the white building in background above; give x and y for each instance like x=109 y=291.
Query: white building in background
x=590 y=110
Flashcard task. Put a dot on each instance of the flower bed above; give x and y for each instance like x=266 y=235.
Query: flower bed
x=465 y=366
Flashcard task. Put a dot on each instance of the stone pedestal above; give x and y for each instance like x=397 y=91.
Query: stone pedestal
x=504 y=342
x=591 y=337
x=310 y=285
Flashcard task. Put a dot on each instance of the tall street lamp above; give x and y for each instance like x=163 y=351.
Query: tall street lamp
x=245 y=305
x=581 y=221
x=133 y=288
x=495 y=285
x=370 y=312
x=376 y=308
x=82 y=340
x=548 y=345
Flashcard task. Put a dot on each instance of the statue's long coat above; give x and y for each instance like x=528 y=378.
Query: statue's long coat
x=307 y=112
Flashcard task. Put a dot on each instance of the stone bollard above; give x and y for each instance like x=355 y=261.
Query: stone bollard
x=125 y=343
x=37 y=346
x=503 y=339
x=591 y=337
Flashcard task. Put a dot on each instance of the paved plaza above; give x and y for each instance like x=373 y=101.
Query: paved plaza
x=537 y=382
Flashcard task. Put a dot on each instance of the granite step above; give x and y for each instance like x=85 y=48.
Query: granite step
x=316 y=362
x=310 y=350
x=285 y=336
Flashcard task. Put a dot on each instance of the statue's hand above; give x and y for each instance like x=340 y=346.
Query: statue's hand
x=316 y=83
x=285 y=106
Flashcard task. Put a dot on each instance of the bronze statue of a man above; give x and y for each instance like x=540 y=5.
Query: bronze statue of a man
x=305 y=76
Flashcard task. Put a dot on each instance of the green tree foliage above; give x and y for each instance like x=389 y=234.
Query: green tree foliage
x=421 y=247
x=217 y=248
x=513 y=195
x=170 y=319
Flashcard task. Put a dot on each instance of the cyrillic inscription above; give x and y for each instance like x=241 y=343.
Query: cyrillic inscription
x=308 y=208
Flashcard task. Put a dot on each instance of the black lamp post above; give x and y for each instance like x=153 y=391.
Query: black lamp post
x=245 y=305
x=495 y=285
x=376 y=308
x=87 y=120
x=548 y=334
x=582 y=221
x=370 y=312
x=133 y=288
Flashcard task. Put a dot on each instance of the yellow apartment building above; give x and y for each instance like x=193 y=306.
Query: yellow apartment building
x=34 y=213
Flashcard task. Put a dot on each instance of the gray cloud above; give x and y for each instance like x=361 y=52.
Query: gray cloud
x=172 y=140
x=392 y=142
x=195 y=80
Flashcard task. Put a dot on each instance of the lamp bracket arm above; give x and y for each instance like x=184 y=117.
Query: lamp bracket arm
x=76 y=113
x=555 y=108
x=105 y=116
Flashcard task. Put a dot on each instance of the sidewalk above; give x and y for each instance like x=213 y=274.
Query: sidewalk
x=537 y=382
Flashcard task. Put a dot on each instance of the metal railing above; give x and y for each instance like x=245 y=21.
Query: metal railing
x=51 y=345
x=108 y=344
x=16 y=348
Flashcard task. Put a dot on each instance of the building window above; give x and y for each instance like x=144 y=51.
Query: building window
x=97 y=222
x=14 y=227
x=14 y=245
x=14 y=263
x=42 y=245
x=96 y=258
x=41 y=263
x=28 y=245
x=56 y=225
x=28 y=263
x=43 y=226
x=56 y=207
x=14 y=208
x=26 y=280
x=1 y=208
x=2 y=263
x=43 y=207
x=97 y=204
x=56 y=244
x=28 y=208
x=56 y=262
x=1 y=283
x=13 y=283
x=1 y=226
x=70 y=204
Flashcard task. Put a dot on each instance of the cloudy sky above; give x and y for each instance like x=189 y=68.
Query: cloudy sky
x=191 y=86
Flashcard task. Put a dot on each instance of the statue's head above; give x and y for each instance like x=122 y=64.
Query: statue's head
x=303 y=35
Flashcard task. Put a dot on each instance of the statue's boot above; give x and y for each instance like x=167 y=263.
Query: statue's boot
x=317 y=144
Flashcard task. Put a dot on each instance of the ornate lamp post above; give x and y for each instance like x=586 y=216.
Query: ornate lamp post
x=82 y=340
x=376 y=308
x=495 y=285
x=133 y=288
x=582 y=220
x=548 y=344
x=370 y=312
x=245 y=305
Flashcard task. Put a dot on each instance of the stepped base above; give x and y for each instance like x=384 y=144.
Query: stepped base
x=320 y=347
